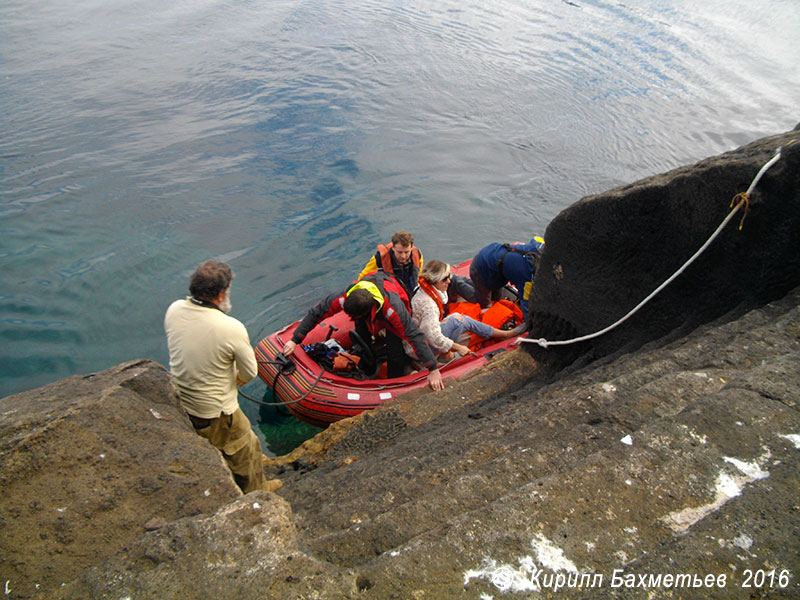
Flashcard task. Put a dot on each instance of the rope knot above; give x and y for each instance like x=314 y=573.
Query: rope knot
x=738 y=200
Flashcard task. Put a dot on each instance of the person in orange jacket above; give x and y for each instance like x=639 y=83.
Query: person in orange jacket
x=399 y=258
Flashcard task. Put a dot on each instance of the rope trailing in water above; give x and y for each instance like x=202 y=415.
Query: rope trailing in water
x=742 y=199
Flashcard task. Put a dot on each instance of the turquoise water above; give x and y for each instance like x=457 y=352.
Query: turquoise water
x=289 y=137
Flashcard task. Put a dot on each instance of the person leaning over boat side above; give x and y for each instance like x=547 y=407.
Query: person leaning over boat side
x=497 y=264
x=375 y=302
x=209 y=355
x=427 y=311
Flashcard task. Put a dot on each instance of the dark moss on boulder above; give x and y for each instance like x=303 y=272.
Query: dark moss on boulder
x=608 y=252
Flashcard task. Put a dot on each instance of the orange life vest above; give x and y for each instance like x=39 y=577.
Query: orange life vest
x=431 y=291
x=386 y=258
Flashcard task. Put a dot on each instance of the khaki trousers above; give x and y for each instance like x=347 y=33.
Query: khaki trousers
x=233 y=436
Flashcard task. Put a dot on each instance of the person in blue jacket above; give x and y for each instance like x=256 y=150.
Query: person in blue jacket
x=498 y=264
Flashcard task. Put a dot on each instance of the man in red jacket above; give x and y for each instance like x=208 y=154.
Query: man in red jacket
x=376 y=302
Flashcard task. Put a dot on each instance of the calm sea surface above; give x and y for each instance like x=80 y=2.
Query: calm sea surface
x=288 y=137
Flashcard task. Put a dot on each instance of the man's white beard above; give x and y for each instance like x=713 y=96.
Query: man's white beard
x=226 y=306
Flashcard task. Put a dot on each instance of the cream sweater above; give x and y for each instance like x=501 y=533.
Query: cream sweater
x=207 y=349
x=425 y=314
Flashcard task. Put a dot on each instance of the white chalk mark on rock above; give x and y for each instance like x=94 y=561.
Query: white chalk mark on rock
x=792 y=437
x=727 y=486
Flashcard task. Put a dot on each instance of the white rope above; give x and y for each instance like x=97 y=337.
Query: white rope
x=545 y=343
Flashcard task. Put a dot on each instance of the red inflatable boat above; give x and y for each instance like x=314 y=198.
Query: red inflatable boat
x=320 y=397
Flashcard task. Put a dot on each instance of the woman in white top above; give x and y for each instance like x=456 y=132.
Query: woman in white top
x=427 y=312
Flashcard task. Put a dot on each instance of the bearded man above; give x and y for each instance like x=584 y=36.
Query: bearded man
x=209 y=356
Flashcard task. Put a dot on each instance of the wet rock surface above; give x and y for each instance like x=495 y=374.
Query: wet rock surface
x=669 y=450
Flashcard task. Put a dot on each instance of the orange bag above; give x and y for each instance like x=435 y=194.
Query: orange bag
x=345 y=362
x=468 y=309
x=498 y=314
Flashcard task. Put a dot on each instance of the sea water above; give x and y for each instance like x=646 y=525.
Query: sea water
x=289 y=137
